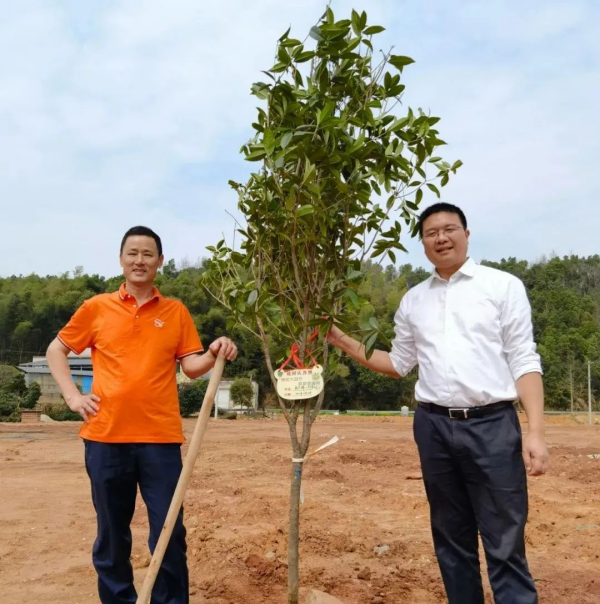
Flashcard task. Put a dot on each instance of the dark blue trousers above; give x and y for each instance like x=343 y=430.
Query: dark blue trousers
x=116 y=471
x=475 y=481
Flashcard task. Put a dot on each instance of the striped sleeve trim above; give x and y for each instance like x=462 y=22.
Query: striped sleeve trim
x=69 y=347
x=188 y=354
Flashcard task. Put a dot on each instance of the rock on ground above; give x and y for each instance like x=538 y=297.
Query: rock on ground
x=314 y=596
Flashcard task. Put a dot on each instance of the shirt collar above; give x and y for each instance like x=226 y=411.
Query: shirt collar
x=467 y=269
x=156 y=295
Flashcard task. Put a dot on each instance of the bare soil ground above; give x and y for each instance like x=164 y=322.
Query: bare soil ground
x=360 y=494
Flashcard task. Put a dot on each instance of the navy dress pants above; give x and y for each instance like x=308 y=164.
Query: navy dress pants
x=116 y=471
x=476 y=482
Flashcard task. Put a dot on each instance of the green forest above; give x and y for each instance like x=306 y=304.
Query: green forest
x=564 y=294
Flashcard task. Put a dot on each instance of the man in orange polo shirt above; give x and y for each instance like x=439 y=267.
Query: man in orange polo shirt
x=132 y=426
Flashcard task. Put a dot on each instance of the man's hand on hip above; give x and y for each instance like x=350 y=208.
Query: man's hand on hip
x=535 y=454
x=84 y=404
x=224 y=347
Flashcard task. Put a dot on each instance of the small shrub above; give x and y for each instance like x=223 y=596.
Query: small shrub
x=191 y=397
x=29 y=401
x=61 y=413
x=9 y=405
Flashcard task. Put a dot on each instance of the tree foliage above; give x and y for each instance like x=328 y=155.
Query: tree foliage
x=14 y=393
x=241 y=392
x=341 y=177
x=191 y=396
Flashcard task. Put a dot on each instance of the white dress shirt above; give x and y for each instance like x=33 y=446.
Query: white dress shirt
x=471 y=337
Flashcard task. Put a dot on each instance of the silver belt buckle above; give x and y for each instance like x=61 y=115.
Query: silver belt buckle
x=457 y=413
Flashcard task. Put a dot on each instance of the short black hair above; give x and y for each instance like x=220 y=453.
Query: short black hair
x=144 y=232
x=441 y=207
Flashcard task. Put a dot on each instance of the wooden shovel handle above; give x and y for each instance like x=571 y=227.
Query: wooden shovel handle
x=182 y=484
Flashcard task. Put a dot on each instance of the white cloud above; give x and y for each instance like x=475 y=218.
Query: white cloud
x=114 y=114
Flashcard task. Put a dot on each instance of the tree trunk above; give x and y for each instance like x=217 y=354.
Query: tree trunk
x=294 y=538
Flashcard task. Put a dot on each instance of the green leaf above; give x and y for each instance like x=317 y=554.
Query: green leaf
x=278 y=67
x=356 y=23
x=285 y=35
x=400 y=62
x=291 y=42
x=392 y=256
x=374 y=29
x=308 y=172
x=315 y=34
x=268 y=74
x=367 y=43
x=290 y=202
x=353 y=297
x=252 y=297
x=456 y=165
x=286 y=138
x=352 y=275
x=269 y=141
x=419 y=196
x=282 y=55
x=304 y=210
x=374 y=323
x=363 y=20
x=370 y=344
x=256 y=155
x=434 y=189
x=305 y=56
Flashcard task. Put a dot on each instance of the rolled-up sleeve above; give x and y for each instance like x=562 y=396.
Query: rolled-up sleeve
x=404 y=351
x=517 y=332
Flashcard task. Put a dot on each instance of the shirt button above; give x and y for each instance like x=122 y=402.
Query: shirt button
x=137 y=316
x=135 y=306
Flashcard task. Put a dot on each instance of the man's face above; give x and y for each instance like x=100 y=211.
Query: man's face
x=445 y=240
x=140 y=259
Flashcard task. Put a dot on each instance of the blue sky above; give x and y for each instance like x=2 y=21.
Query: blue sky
x=121 y=113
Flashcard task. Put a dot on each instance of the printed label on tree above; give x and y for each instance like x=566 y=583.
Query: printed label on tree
x=296 y=384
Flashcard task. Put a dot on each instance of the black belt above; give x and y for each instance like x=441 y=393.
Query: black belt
x=466 y=412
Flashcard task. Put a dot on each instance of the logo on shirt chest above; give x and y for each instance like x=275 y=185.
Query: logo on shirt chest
x=158 y=323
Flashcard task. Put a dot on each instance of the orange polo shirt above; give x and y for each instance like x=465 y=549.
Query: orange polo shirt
x=134 y=355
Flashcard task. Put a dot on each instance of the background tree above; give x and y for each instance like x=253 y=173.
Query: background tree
x=191 y=396
x=340 y=179
x=14 y=393
x=31 y=398
x=564 y=292
x=241 y=392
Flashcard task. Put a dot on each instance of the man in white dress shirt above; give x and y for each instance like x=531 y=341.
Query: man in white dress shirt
x=468 y=327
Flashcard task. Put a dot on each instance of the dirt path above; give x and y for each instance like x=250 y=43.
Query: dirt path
x=358 y=497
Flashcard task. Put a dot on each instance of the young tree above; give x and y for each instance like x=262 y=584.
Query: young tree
x=341 y=175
